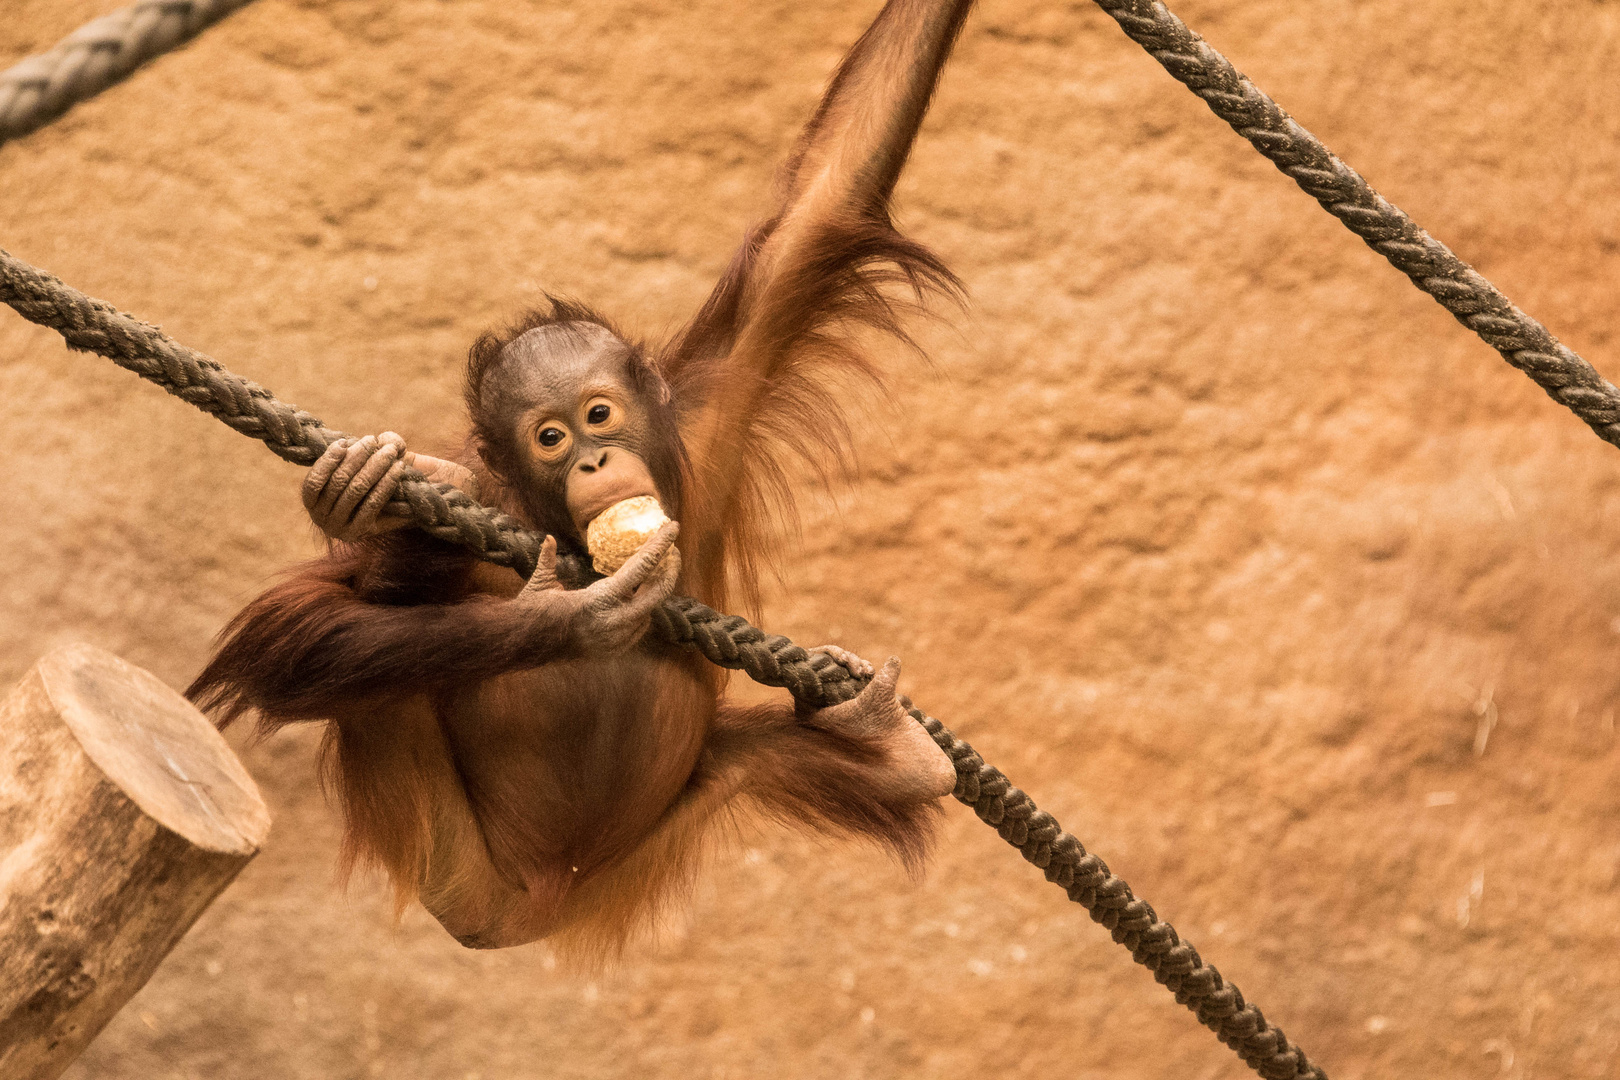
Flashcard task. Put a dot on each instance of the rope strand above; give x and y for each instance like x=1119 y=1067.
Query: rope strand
x=104 y=51
x=1155 y=945
x=1432 y=267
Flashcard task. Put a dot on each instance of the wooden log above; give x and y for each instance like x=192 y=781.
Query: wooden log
x=123 y=813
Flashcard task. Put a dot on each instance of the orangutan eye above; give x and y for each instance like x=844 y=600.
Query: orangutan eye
x=552 y=437
x=602 y=413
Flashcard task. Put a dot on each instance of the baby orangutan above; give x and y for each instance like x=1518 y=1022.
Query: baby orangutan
x=523 y=758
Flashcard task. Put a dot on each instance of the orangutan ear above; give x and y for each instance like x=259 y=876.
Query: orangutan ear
x=492 y=462
x=648 y=380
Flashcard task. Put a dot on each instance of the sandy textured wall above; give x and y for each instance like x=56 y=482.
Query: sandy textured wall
x=1205 y=526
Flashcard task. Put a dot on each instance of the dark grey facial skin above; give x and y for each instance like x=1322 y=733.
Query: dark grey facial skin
x=580 y=434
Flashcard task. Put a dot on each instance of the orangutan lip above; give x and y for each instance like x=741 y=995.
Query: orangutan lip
x=610 y=496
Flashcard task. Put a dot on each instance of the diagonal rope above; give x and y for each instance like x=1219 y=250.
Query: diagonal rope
x=1154 y=944
x=729 y=641
x=291 y=433
x=102 y=52
x=1456 y=286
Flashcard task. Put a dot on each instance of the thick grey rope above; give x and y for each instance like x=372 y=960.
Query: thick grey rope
x=1155 y=945
x=100 y=53
x=96 y=326
x=1475 y=302
x=727 y=640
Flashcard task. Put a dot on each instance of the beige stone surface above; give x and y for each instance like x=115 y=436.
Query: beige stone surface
x=1217 y=536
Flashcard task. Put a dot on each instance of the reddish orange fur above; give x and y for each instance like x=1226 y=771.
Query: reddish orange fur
x=627 y=763
x=841 y=288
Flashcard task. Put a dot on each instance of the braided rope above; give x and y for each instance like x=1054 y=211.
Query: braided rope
x=292 y=434
x=1456 y=286
x=100 y=53
x=729 y=641
x=1218 y=1004
x=816 y=678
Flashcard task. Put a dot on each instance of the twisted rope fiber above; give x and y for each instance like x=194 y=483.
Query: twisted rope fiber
x=732 y=642
x=1155 y=945
x=729 y=641
x=102 y=52
x=294 y=435
x=1461 y=290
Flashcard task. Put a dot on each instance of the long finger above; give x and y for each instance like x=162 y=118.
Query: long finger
x=658 y=590
x=320 y=472
x=857 y=667
x=629 y=577
x=365 y=518
x=354 y=459
x=370 y=474
x=545 y=568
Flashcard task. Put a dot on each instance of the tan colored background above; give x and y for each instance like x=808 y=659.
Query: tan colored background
x=1205 y=526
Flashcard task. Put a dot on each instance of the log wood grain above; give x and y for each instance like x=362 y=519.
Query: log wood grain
x=123 y=813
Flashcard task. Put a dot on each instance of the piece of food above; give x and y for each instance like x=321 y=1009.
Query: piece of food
x=615 y=534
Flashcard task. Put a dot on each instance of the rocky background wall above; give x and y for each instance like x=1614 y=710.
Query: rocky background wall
x=1275 y=585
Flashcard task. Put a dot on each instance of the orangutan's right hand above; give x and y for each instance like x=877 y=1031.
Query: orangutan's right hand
x=348 y=491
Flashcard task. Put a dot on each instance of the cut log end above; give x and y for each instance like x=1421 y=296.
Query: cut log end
x=123 y=813
x=157 y=748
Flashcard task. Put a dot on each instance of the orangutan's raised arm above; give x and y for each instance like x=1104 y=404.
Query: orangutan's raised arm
x=849 y=156
x=820 y=259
